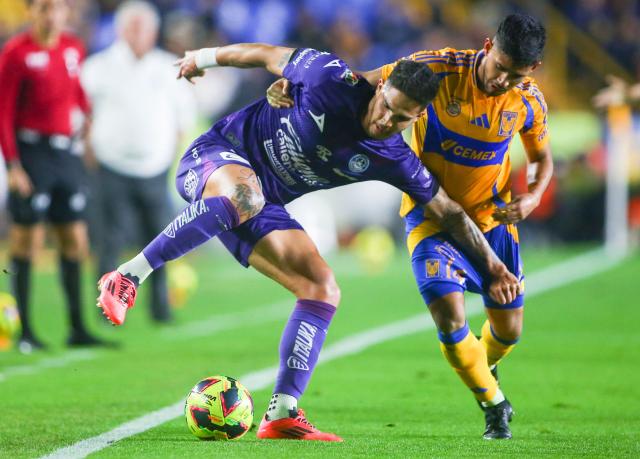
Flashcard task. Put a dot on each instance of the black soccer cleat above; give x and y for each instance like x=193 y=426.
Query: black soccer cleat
x=497 y=420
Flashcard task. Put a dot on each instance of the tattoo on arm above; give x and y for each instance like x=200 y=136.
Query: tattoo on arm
x=285 y=59
x=469 y=236
x=454 y=220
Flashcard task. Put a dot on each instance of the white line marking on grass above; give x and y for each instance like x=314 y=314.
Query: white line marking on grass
x=52 y=362
x=214 y=324
x=557 y=275
x=206 y=327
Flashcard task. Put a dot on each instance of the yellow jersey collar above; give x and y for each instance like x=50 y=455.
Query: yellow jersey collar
x=476 y=63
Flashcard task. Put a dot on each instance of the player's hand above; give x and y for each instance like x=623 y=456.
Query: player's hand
x=278 y=94
x=19 y=181
x=516 y=210
x=504 y=286
x=613 y=95
x=187 y=67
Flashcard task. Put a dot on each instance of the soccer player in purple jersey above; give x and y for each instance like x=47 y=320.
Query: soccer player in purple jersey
x=239 y=174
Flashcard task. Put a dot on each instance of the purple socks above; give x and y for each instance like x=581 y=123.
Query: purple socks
x=300 y=345
x=195 y=225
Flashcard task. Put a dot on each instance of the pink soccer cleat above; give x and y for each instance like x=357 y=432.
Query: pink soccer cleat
x=294 y=428
x=117 y=294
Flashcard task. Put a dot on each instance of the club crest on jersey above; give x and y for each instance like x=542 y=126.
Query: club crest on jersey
x=350 y=77
x=507 y=123
x=191 y=184
x=359 y=163
x=454 y=108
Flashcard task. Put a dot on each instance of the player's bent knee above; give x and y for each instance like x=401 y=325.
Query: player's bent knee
x=247 y=201
x=449 y=324
x=241 y=186
x=22 y=242
x=508 y=335
x=332 y=292
x=323 y=287
x=448 y=313
x=507 y=324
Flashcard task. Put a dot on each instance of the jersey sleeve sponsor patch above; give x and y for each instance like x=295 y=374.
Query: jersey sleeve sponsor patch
x=350 y=77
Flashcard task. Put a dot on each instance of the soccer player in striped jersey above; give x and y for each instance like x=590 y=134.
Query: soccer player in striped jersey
x=486 y=97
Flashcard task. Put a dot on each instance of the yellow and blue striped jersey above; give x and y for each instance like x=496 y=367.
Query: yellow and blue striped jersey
x=464 y=138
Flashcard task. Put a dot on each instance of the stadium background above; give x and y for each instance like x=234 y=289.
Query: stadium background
x=588 y=39
x=593 y=379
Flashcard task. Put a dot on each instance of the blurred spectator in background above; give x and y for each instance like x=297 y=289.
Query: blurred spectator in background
x=13 y=15
x=140 y=112
x=618 y=92
x=368 y=33
x=39 y=77
x=182 y=32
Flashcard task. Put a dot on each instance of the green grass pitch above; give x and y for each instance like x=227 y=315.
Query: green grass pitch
x=574 y=380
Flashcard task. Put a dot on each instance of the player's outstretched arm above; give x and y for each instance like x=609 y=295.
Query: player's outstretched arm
x=241 y=55
x=504 y=286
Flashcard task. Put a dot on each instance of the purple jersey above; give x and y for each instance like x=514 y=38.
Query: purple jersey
x=320 y=143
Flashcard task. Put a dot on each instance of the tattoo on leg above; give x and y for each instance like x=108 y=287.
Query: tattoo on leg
x=246 y=197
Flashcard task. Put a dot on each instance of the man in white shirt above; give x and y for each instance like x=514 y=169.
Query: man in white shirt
x=139 y=113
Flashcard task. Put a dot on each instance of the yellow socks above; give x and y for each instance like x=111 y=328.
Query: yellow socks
x=469 y=359
x=495 y=347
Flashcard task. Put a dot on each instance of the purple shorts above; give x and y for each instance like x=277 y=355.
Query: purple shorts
x=200 y=160
x=205 y=155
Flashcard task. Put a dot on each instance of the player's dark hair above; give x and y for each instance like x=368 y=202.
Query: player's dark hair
x=415 y=80
x=521 y=37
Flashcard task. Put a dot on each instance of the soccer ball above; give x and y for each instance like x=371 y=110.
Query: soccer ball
x=219 y=408
x=9 y=321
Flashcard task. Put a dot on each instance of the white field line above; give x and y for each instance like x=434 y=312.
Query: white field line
x=207 y=327
x=51 y=362
x=557 y=275
x=222 y=322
